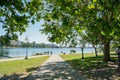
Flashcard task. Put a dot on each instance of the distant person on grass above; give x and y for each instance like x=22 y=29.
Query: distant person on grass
x=51 y=52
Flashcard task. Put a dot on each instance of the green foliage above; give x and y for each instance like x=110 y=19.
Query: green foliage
x=64 y=19
x=99 y=17
x=5 y=39
x=72 y=17
x=37 y=45
x=15 y=15
x=20 y=66
x=92 y=38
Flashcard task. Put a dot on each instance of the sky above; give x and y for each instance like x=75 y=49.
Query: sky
x=33 y=33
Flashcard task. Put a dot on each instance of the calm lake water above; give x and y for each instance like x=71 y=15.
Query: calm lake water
x=20 y=52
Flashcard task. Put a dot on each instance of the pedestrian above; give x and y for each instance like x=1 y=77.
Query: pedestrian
x=51 y=52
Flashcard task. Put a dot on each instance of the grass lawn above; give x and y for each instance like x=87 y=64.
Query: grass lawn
x=21 y=66
x=89 y=61
x=92 y=67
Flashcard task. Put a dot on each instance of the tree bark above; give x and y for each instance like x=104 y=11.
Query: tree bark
x=82 y=53
x=106 y=52
x=95 y=51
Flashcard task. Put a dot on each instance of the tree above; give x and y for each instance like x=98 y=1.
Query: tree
x=105 y=19
x=15 y=15
x=92 y=38
x=82 y=44
x=5 y=39
x=65 y=19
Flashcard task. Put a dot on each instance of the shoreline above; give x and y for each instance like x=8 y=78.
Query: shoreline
x=3 y=58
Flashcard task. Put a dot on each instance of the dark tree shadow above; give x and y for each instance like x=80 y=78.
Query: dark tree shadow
x=17 y=76
x=31 y=69
x=93 y=68
x=13 y=77
x=55 y=71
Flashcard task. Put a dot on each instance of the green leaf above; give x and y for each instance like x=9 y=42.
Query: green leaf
x=94 y=1
x=32 y=21
x=78 y=0
x=91 y=6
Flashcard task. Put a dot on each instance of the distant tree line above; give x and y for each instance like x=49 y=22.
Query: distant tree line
x=37 y=45
x=34 y=45
x=7 y=41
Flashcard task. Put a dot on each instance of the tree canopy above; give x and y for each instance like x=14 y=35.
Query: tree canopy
x=16 y=14
x=66 y=19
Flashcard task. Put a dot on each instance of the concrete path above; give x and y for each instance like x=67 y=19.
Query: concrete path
x=55 y=68
x=20 y=58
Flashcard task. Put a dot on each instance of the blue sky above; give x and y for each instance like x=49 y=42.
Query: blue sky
x=33 y=33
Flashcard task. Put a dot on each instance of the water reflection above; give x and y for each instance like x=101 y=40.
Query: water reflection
x=4 y=52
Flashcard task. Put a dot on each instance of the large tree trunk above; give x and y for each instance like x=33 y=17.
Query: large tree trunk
x=95 y=48
x=95 y=51
x=106 y=52
x=82 y=53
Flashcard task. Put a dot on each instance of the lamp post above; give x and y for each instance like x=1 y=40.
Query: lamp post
x=27 y=41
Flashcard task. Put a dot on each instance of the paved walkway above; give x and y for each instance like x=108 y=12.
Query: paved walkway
x=55 y=68
x=21 y=58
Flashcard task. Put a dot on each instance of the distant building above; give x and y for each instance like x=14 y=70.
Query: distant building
x=15 y=43
x=52 y=45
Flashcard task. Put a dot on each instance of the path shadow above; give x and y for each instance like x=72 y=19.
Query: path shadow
x=55 y=71
x=13 y=77
x=93 y=68
x=31 y=69
x=17 y=76
x=102 y=74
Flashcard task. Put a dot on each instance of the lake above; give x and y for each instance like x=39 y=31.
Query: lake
x=20 y=52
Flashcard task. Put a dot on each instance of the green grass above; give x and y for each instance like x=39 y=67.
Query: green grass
x=78 y=56
x=21 y=66
x=93 y=68
x=89 y=61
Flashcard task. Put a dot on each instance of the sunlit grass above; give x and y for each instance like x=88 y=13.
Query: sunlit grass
x=79 y=56
x=89 y=61
x=93 y=68
x=21 y=66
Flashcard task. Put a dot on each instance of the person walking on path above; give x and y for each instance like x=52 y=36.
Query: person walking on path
x=55 y=68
